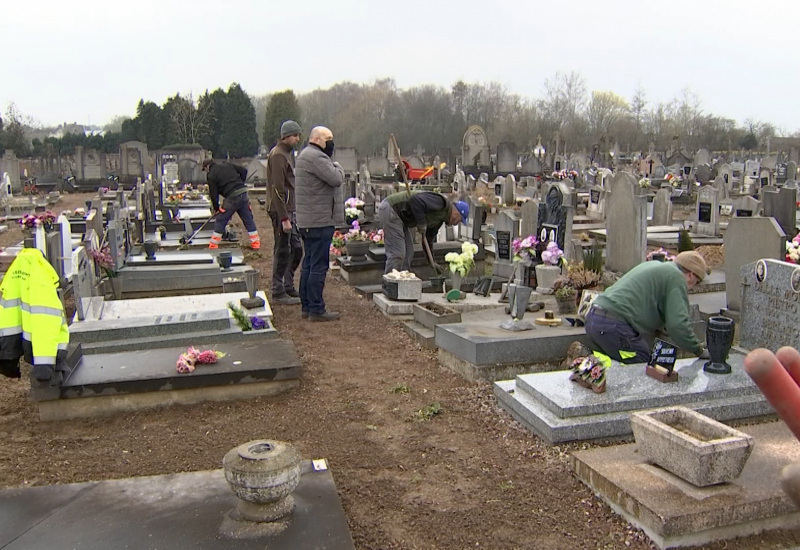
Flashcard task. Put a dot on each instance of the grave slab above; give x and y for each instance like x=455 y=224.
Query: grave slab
x=146 y=280
x=60 y=516
x=105 y=383
x=558 y=410
x=674 y=513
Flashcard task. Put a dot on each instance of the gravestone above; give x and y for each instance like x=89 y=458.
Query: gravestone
x=65 y=231
x=659 y=172
x=707 y=211
x=379 y=166
x=721 y=187
x=701 y=157
x=508 y=189
x=532 y=166
x=770 y=305
x=764 y=177
x=746 y=207
x=82 y=282
x=506 y=157
x=5 y=194
x=530 y=218
x=726 y=173
x=498 y=186
x=596 y=208
x=781 y=204
x=662 y=207
x=506 y=230
x=747 y=240
x=54 y=253
x=791 y=171
x=475 y=148
x=553 y=216
x=626 y=224
x=703 y=174
x=475 y=221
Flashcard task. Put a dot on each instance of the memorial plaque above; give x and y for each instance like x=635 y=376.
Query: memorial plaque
x=503 y=240
x=770 y=305
x=594 y=196
x=744 y=213
x=664 y=355
x=704 y=212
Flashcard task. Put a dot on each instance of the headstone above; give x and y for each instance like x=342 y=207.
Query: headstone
x=499 y=181
x=703 y=174
x=662 y=207
x=530 y=218
x=721 y=187
x=764 y=177
x=506 y=230
x=770 y=305
x=596 y=208
x=508 y=189
x=701 y=157
x=379 y=166
x=707 y=211
x=746 y=207
x=82 y=282
x=506 y=157
x=475 y=148
x=626 y=224
x=726 y=173
x=552 y=223
x=531 y=166
x=791 y=171
x=66 y=244
x=747 y=240
x=659 y=171
x=781 y=204
x=474 y=221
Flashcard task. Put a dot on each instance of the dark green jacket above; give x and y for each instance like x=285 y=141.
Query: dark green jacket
x=653 y=296
x=422 y=208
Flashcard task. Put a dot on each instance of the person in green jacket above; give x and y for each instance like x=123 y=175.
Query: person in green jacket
x=652 y=296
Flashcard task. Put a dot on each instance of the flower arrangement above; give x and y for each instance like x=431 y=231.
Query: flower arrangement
x=673 y=180
x=793 y=250
x=337 y=243
x=644 y=183
x=356 y=233
x=102 y=259
x=353 y=208
x=525 y=249
x=193 y=356
x=463 y=262
x=376 y=237
x=104 y=190
x=564 y=174
x=353 y=202
x=660 y=252
x=552 y=255
x=246 y=323
x=590 y=372
x=31 y=221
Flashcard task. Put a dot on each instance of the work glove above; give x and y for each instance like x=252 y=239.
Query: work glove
x=704 y=354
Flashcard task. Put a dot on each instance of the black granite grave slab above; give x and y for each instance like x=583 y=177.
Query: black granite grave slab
x=150 y=370
x=186 y=510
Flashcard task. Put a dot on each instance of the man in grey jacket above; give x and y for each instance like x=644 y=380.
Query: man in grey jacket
x=319 y=209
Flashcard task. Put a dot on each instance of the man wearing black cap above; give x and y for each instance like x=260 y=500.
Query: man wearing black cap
x=288 y=249
x=227 y=179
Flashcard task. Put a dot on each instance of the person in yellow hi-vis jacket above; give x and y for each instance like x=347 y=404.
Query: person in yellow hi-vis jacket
x=32 y=320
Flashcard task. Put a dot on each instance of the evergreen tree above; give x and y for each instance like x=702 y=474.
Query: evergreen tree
x=209 y=107
x=152 y=129
x=238 y=137
x=282 y=106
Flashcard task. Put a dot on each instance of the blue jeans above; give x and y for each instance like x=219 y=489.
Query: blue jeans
x=316 y=259
x=613 y=335
x=239 y=204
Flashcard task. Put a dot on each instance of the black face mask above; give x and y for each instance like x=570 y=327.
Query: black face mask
x=328 y=150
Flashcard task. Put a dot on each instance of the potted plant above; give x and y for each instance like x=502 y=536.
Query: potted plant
x=357 y=243
x=338 y=243
x=549 y=270
x=461 y=263
x=565 y=299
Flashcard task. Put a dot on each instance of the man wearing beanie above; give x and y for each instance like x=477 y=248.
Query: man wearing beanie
x=226 y=179
x=288 y=250
x=423 y=210
x=652 y=296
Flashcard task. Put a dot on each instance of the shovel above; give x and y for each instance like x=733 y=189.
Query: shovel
x=188 y=239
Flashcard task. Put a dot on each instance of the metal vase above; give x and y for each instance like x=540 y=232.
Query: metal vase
x=251 y=282
x=519 y=302
x=150 y=248
x=225 y=260
x=719 y=338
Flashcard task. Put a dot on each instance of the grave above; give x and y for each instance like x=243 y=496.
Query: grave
x=558 y=410
x=662 y=207
x=556 y=213
x=597 y=203
x=747 y=240
x=626 y=224
x=770 y=305
x=506 y=229
x=97 y=515
x=746 y=207
x=781 y=204
x=674 y=513
x=707 y=211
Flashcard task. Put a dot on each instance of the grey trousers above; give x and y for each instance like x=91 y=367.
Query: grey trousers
x=397 y=239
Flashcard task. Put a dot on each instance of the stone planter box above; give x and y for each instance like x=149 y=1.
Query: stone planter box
x=402 y=289
x=546 y=276
x=429 y=318
x=692 y=446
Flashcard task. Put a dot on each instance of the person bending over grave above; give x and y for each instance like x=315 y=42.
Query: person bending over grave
x=288 y=249
x=652 y=296
x=227 y=180
x=423 y=210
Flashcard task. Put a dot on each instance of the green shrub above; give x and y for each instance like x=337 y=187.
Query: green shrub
x=593 y=259
x=685 y=243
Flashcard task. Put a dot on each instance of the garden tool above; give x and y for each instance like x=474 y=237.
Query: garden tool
x=187 y=239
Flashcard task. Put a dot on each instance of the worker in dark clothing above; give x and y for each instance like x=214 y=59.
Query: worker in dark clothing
x=227 y=180
x=424 y=210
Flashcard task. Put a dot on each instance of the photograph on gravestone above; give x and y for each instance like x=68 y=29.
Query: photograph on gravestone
x=549 y=233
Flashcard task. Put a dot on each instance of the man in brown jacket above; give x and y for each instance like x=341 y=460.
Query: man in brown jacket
x=288 y=250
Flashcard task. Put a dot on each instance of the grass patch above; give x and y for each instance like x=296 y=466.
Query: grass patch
x=426 y=413
x=400 y=388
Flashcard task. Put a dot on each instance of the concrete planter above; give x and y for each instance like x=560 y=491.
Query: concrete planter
x=546 y=275
x=439 y=315
x=692 y=446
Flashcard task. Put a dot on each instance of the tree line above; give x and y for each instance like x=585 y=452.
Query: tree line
x=232 y=124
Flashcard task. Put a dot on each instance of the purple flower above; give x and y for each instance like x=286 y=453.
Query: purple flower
x=257 y=322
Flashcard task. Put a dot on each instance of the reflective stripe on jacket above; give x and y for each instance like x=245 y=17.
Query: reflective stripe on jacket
x=31 y=310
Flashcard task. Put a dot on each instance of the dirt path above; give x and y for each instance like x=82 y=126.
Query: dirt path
x=468 y=477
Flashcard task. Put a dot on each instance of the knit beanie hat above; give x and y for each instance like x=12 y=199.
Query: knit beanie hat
x=290 y=128
x=694 y=262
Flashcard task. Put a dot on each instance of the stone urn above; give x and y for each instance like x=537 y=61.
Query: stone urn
x=357 y=250
x=456 y=279
x=225 y=259
x=150 y=248
x=262 y=474
x=719 y=338
x=546 y=276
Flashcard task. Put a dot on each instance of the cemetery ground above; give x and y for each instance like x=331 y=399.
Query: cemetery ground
x=422 y=458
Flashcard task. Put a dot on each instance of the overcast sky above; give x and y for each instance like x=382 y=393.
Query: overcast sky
x=90 y=60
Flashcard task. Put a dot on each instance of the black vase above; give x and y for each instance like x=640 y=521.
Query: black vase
x=719 y=338
x=150 y=248
x=225 y=259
